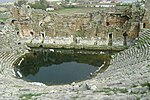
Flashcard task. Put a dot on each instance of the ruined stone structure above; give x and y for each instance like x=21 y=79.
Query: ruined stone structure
x=127 y=78
x=146 y=21
x=99 y=27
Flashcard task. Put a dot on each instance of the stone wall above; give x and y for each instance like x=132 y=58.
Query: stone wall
x=108 y=27
x=126 y=78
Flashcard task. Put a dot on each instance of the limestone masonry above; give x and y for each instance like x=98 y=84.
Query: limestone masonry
x=127 y=77
x=115 y=27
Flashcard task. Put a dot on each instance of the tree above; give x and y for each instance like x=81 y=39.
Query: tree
x=42 y=4
x=20 y=2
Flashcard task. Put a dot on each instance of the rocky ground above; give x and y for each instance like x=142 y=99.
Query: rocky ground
x=127 y=78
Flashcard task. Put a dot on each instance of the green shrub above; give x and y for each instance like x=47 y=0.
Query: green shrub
x=42 y=4
x=20 y=2
x=80 y=34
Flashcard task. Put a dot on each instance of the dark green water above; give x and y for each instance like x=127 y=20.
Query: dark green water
x=60 y=68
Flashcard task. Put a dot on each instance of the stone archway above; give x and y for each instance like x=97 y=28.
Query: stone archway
x=125 y=38
x=144 y=25
x=31 y=33
x=110 y=36
x=107 y=23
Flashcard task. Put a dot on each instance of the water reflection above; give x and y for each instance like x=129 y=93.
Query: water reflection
x=60 y=68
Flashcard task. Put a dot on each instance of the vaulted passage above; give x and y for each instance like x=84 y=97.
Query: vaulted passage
x=144 y=25
x=110 y=39
x=61 y=67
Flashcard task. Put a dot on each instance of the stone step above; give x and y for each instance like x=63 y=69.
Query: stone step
x=8 y=57
x=13 y=60
x=4 y=57
x=134 y=59
x=5 y=62
x=2 y=53
x=9 y=64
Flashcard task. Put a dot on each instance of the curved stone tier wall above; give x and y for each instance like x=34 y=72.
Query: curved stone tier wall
x=7 y=59
x=135 y=54
x=131 y=66
x=126 y=78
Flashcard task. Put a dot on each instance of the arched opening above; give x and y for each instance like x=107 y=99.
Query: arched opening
x=19 y=43
x=13 y=21
x=43 y=35
x=45 y=52
x=144 y=25
x=41 y=46
x=125 y=38
x=97 y=31
x=28 y=7
x=34 y=53
x=17 y=33
x=107 y=24
x=110 y=39
x=41 y=24
x=31 y=33
x=91 y=16
x=2 y=23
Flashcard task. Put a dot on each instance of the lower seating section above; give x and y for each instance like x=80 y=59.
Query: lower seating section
x=11 y=48
x=137 y=53
x=7 y=59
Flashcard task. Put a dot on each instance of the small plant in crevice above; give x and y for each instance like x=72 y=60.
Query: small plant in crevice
x=30 y=95
x=148 y=66
x=134 y=85
x=80 y=33
x=146 y=84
